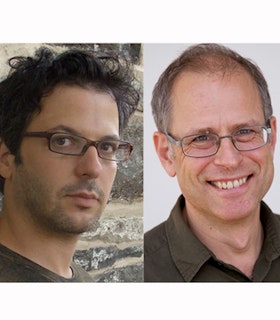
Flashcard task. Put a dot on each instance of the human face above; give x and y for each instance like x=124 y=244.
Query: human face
x=60 y=192
x=212 y=103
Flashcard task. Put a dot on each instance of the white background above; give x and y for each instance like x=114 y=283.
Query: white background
x=153 y=22
x=160 y=190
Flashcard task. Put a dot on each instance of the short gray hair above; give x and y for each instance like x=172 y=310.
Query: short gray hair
x=209 y=58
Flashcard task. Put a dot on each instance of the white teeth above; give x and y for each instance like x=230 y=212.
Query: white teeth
x=230 y=184
x=236 y=183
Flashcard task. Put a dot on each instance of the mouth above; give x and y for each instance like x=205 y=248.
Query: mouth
x=230 y=184
x=84 y=195
x=84 y=199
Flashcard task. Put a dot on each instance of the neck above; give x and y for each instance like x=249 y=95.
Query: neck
x=51 y=251
x=236 y=243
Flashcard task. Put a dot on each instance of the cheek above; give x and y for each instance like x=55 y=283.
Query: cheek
x=262 y=158
x=53 y=173
x=186 y=170
x=111 y=173
x=191 y=172
x=265 y=164
x=108 y=174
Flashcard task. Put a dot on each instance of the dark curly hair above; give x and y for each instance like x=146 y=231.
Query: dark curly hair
x=32 y=78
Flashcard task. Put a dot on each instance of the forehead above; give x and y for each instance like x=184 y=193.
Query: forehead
x=209 y=100
x=87 y=111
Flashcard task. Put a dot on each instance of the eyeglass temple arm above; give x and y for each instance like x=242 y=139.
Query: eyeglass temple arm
x=172 y=140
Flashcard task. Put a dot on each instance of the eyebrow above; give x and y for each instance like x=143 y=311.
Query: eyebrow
x=70 y=130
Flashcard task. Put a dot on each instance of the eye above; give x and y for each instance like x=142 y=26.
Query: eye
x=108 y=147
x=202 y=138
x=245 y=131
x=247 y=134
x=62 y=140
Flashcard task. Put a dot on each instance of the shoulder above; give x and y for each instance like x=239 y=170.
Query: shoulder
x=155 y=239
x=268 y=214
x=276 y=216
x=158 y=262
x=79 y=274
x=156 y=254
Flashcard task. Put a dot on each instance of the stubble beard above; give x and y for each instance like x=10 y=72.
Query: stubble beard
x=45 y=209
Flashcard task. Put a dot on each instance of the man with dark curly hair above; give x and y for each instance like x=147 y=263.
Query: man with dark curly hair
x=61 y=122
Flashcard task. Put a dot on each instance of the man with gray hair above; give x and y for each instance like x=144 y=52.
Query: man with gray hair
x=217 y=134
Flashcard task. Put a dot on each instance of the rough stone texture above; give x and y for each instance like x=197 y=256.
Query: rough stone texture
x=130 y=273
x=116 y=229
x=113 y=251
x=101 y=257
x=128 y=184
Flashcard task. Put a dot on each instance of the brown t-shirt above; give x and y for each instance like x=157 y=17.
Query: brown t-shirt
x=174 y=254
x=16 y=268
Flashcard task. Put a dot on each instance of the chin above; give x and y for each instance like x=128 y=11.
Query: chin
x=75 y=223
x=85 y=225
x=237 y=211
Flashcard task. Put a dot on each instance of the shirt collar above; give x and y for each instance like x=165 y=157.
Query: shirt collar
x=189 y=254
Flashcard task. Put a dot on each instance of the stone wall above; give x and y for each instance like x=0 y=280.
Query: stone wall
x=113 y=251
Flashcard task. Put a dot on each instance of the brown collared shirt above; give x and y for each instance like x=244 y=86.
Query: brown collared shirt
x=174 y=254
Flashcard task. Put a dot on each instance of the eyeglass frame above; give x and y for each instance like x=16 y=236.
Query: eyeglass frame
x=179 y=142
x=88 y=143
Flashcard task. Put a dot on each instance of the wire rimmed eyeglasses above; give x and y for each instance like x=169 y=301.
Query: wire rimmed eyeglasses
x=74 y=145
x=207 y=144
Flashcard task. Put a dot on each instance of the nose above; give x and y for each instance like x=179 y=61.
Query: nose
x=89 y=164
x=227 y=156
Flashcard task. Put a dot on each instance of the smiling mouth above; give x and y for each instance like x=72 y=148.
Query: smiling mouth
x=230 y=184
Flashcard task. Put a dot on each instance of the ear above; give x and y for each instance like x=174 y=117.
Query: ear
x=274 y=132
x=163 y=152
x=6 y=160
